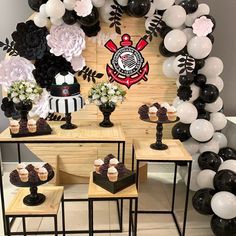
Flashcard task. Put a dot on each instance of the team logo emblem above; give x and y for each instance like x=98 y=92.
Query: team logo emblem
x=127 y=62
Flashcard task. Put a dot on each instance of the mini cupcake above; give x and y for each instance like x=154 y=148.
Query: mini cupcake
x=121 y=169
x=166 y=105
x=29 y=167
x=157 y=105
x=162 y=114
x=172 y=113
x=143 y=112
x=103 y=170
x=48 y=168
x=108 y=158
x=14 y=177
x=37 y=166
x=112 y=174
x=24 y=175
x=31 y=125
x=153 y=113
x=14 y=126
x=41 y=124
x=33 y=177
x=97 y=165
x=43 y=174
x=113 y=162
x=20 y=166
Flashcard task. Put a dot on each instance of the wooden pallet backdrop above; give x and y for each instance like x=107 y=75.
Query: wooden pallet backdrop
x=75 y=161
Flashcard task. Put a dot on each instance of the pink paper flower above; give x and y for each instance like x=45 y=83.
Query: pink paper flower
x=83 y=7
x=78 y=63
x=15 y=68
x=202 y=26
x=66 y=40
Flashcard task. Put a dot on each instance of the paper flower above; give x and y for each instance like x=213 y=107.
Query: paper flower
x=48 y=67
x=184 y=93
x=202 y=26
x=83 y=7
x=30 y=40
x=66 y=40
x=15 y=68
x=9 y=109
x=78 y=63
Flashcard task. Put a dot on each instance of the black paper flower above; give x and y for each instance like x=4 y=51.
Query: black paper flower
x=184 y=93
x=9 y=109
x=48 y=67
x=91 y=31
x=30 y=40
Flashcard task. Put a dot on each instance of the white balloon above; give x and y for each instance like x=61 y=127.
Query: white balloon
x=175 y=40
x=221 y=139
x=213 y=67
x=182 y=171
x=177 y=102
x=199 y=47
x=177 y=83
x=105 y=11
x=151 y=11
x=163 y=4
x=187 y=112
x=189 y=33
x=195 y=165
x=201 y=130
x=55 y=8
x=193 y=182
x=42 y=10
x=228 y=165
x=176 y=64
x=218 y=120
x=56 y=21
x=191 y=145
x=217 y=81
x=205 y=178
x=167 y=68
x=211 y=146
x=40 y=21
x=223 y=205
x=215 y=106
x=101 y=3
x=69 y=4
x=174 y=16
x=195 y=92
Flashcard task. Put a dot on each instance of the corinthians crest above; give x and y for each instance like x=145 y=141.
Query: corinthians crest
x=127 y=62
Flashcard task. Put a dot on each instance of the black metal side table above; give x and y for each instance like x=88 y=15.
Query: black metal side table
x=142 y=152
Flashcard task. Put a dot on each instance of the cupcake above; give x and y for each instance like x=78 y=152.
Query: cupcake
x=112 y=174
x=20 y=166
x=43 y=174
x=97 y=165
x=108 y=158
x=162 y=114
x=37 y=166
x=157 y=105
x=153 y=113
x=172 y=113
x=14 y=177
x=41 y=124
x=143 y=112
x=14 y=126
x=166 y=105
x=48 y=168
x=29 y=167
x=121 y=169
x=113 y=162
x=33 y=177
x=103 y=170
x=31 y=125
x=24 y=175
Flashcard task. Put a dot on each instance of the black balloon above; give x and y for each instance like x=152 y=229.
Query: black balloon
x=186 y=80
x=204 y=115
x=199 y=104
x=70 y=17
x=35 y=4
x=199 y=63
x=91 y=31
x=225 y=180
x=202 y=201
x=181 y=131
x=90 y=19
x=209 y=93
x=190 y=6
x=222 y=227
x=200 y=80
x=227 y=153
x=209 y=160
x=164 y=52
x=164 y=31
x=211 y=37
x=138 y=8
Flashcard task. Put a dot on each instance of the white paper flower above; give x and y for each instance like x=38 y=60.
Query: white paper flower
x=66 y=40
x=83 y=7
x=78 y=63
x=202 y=26
x=15 y=68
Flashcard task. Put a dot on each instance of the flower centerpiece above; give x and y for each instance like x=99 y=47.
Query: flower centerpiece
x=106 y=96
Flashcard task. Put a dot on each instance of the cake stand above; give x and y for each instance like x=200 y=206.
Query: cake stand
x=34 y=198
x=158 y=145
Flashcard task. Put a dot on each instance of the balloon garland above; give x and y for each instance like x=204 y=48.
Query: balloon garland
x=186 y=30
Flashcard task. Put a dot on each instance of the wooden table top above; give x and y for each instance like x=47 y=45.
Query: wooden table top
x=49 y=207
x=86 y=131
x=175 y=152
x=96 y=191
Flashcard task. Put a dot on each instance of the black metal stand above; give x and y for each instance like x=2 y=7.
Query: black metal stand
x=34 y=198
x=68 y=124
x=159 y=145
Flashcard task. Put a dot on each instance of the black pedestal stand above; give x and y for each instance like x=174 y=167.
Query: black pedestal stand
x=68 y=124
x=34 y=198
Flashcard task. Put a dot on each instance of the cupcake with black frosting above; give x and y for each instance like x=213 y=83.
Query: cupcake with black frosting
x=162 y=114
x=143 y=112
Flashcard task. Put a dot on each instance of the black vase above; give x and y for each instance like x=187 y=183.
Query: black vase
x=138 y=8
x=106 y=111
x=23 y=108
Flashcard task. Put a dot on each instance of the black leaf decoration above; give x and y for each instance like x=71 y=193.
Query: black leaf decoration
x=154 y=28
x=55 y=117
x=116 y=15
x=90 y=75
x=186 y=64
x=9 y=47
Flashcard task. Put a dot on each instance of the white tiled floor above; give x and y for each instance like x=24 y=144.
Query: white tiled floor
x=155 y=194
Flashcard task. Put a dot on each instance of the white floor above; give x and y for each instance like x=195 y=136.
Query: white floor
x=155 y=194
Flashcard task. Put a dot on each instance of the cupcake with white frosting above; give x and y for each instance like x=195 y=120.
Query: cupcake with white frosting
x=112 y=174
x=97 y=164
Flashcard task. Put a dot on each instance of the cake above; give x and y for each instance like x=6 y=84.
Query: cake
x=157 y=105
x=31 y=125
x=112 y=174
x=14 y=177
x=41 y=124
x=14 y=126
x=153 y=113
x=143 y=112
x=162 y=114
x=97 y=164
x=65 y=94
x=103 y=169
x=48 y=168
x=121 y=169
